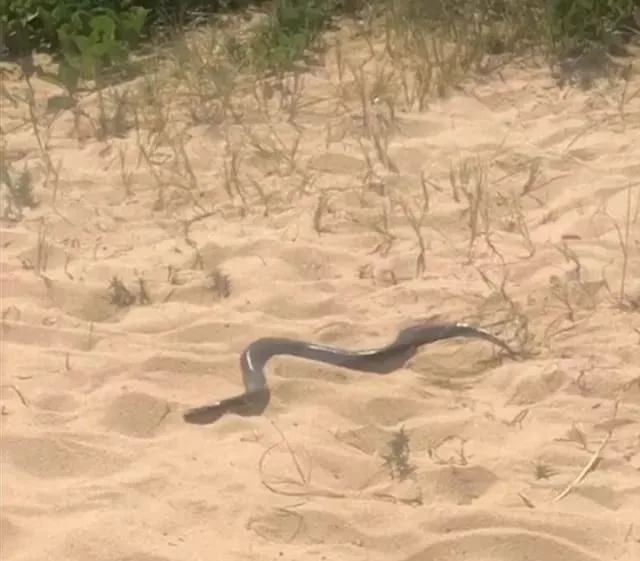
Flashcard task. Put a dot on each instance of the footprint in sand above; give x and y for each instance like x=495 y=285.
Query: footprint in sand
x=459 y=485
x=58 y=402
x=60 y=456
x=305 y=526
x=136 y=414
x=502 y=544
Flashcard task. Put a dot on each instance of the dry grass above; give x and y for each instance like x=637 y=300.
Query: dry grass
x=386 y=63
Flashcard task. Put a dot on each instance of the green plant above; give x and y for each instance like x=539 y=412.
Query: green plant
x=19 y=194
x=22 y=28
x=574 y=23
x=94 y=42
x=292 y=28
x=41 y=25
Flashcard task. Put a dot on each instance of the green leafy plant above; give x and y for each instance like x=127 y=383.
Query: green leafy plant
x=293 y=27
x=94 y=42
x=29 y=25
x=575 y=23
x=95 y=47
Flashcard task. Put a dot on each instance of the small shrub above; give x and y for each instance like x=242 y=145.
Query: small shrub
x=92 y=42
x=293 y=27
x=29 y=25
x=576 y=23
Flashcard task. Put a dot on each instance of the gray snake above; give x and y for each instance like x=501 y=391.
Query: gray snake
x=383 y=360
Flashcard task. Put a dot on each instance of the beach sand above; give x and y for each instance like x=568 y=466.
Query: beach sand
x=129 y=292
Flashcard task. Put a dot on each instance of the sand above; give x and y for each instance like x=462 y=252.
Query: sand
x=464 y=454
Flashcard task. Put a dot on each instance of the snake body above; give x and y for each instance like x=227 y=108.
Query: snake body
x=383 y=360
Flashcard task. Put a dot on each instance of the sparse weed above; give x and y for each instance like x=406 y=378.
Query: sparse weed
x=416 y=219
x=632 y=212
x=220 y=283
x=397 y=459
x=119 y=295
x=542 y=470
x=19 y=191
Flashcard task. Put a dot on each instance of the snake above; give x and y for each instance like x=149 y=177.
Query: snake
x=383 y=360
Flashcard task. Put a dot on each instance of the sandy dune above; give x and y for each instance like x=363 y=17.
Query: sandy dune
x=459 y=456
